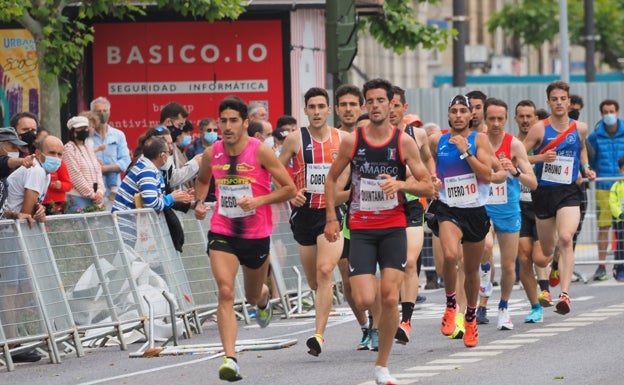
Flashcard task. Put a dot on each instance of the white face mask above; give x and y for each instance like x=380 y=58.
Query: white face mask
x=168 y=163
x=13 y=154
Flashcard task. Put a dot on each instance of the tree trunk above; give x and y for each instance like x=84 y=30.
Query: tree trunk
x=50 y=108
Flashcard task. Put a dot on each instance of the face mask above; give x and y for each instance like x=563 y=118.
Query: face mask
x=168 y=163
x=29 y=137
x=574 y=114
x=103 y=117
x=82 y=135
x=211 y=137
x=279 y=150
x=51 y=164
x=609 y=119
x=186 y=140
x=13 y=154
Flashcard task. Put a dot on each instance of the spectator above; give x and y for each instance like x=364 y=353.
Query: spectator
x=616 y=198
x=144 y=179
x=26 y=125
x=55 y=201
x=9 y=158
x=259 y=130
x=84 y=169
x=606 y=145
x=576 y=105
x=115 y=157
x=26 y=189
x=208 y=134
x=258 y=111
x=279 y=135
x=288 y=122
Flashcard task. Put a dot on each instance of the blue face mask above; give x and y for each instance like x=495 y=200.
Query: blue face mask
x=186 y=140
x=51 y=164
x=210 y=137
x=609 y=119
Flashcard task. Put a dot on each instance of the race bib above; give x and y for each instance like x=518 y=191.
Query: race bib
x=525 y=193
x=559 y=171
x=315 y=177
x=229 y=195
x=372 y=197
x=498 y=194
x=461 y=189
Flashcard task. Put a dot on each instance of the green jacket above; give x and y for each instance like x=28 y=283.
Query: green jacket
x=616 y=199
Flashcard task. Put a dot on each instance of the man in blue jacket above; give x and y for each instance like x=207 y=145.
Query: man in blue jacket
x=606 y=147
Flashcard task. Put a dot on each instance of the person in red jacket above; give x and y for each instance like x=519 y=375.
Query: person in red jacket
x=60 y=183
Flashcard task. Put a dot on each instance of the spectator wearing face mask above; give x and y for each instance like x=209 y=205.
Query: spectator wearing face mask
x=208 y=134
x=26 y=125
x=606 y=146
x=84 y=169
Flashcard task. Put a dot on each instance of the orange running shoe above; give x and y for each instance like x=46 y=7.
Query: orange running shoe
x=553 y=279
x=471 y=336
x=545 y=299
x=448 y=321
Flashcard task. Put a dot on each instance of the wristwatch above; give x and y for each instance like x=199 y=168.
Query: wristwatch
x=466 y=154
x=518 y=172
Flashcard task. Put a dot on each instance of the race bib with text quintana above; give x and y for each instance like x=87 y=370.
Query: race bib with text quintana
x=229 y=195
x=372 y=197
x=525 y=193
x=315 y=177
x=559 y=171
x=498 y=194
x=461 y=189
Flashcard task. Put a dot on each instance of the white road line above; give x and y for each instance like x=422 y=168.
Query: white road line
x=516 y=340
x=434 y=367
x=476 y=353
x=455 y=361
x=550 y=328
x=497 y=347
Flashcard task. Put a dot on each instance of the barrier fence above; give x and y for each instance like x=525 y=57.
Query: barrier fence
x=81 y=279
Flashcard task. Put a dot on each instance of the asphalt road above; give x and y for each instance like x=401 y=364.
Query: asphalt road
x=583 y=347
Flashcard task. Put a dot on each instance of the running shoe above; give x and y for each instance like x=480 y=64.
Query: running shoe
x=229 y=371
x=421 y=299
x=471 y=336
x=365 y=341
x=553 y=279
x=535 y=316
x=263 y=316
x=545 y=298
x=315 y=344
x=504 y=321
x=374 y=340
x=600 y=274
x=482 y=318
x=383 y=377
x=448 y=321
x=458 y=333
x=485 y=285
x=563 y=306
x=403 y=333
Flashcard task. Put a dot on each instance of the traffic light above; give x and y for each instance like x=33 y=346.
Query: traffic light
x=341 y=35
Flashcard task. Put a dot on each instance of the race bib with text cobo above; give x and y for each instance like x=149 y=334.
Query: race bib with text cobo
x=461 y=189
x=372 y=197
x=315 y=177
x=229 y=195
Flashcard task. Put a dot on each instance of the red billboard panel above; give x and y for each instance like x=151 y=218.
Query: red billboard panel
x=140 y=67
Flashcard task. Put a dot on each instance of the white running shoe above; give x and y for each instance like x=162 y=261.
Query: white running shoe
x=485 y=285
x=383 y=377
x=504 y=321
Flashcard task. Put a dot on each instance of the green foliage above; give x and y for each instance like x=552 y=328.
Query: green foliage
x=536 y=22
x=61 y=39
x=530 y=20
x=398 y=29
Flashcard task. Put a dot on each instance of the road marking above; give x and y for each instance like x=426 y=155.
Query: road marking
x=455 y=361
x=516 y=340
x=475 y=353
x=549 y=328
x=434 y=367
x=497 y=347
x=571 y=322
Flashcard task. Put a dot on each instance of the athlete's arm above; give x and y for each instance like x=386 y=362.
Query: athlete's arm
x=285 y=187
x=520 y=163
x=332 y=226
x=584 y=158
x=202 y=183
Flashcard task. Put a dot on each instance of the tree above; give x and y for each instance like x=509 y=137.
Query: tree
x=535 y=22
x=397 y=28
x=61 y=39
